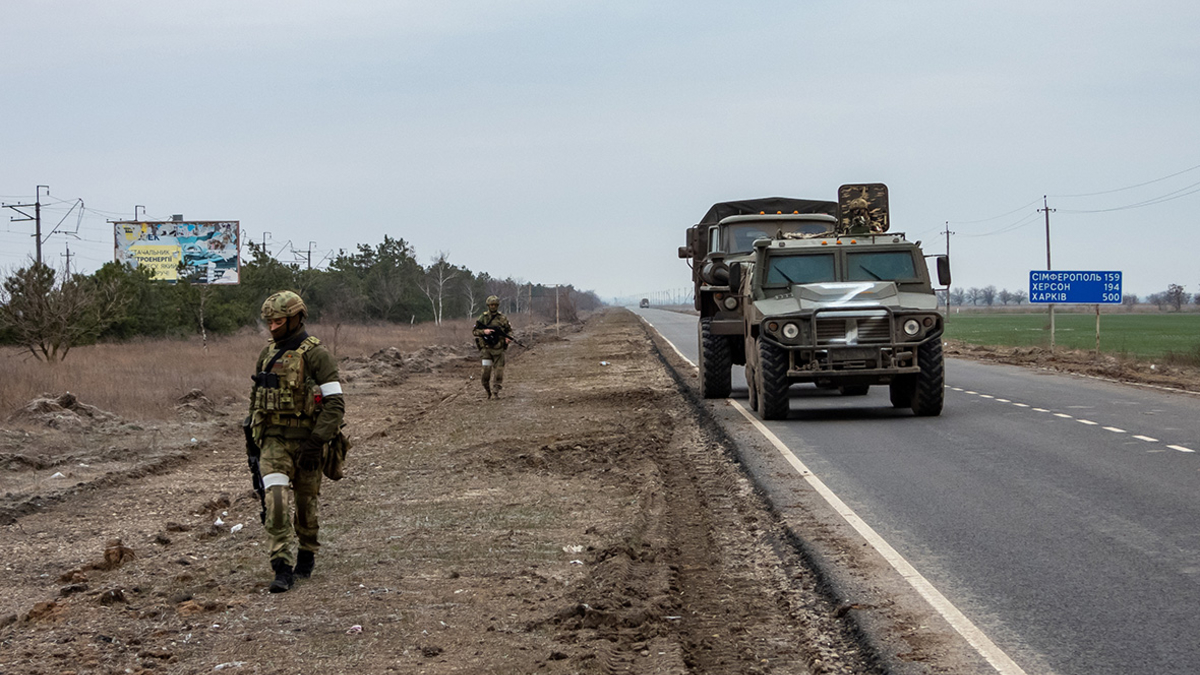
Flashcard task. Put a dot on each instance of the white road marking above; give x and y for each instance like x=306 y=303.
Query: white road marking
x=957 y=620
x=1115 y=430
x=961 y=624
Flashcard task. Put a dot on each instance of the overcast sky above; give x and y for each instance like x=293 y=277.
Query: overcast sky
x=573 y=142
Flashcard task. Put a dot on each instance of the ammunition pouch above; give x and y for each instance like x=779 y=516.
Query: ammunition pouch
x=267 y=380
x=335 y=456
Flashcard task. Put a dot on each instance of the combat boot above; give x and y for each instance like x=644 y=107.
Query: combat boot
x=305 y=561
x=487 y=389
x=283 y=576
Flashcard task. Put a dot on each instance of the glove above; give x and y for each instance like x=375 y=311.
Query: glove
x=310 y=454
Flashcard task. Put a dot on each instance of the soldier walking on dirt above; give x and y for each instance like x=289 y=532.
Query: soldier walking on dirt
x=296 y=409
x=492 y=334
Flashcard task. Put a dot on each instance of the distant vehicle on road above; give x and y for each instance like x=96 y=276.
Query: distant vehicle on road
x=644 y=303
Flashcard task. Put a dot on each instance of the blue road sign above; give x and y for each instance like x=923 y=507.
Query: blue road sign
x=1080 y=288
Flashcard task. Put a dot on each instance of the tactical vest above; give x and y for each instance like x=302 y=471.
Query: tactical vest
x=286 y=395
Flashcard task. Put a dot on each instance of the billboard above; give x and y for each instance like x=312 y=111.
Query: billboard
x=208 y=250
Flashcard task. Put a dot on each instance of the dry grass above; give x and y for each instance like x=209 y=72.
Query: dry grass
x=144 y=379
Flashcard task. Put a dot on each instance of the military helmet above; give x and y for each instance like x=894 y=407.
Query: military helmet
x=282 y=305
x=492 y=300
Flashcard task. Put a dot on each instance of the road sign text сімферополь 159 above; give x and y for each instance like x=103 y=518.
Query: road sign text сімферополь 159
x=1081 y=288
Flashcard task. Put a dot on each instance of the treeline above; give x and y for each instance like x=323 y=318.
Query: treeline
x=48 y=312
x=1175 y=297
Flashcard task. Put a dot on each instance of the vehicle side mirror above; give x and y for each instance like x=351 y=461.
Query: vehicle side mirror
x=943 y=270
x=735 y=276
x=685 y=251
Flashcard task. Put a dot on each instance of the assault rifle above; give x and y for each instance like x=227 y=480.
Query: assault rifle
x=252 y=455
x=497 y=333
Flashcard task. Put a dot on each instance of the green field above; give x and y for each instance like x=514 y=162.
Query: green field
x=1148 y=336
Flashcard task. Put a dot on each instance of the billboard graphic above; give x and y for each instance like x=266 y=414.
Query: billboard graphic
x=208 y=250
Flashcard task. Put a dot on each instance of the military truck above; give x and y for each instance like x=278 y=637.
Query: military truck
x=725 y=234
x=843 y=310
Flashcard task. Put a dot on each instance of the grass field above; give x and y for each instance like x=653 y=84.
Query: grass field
x=1145 y=336
x=144 y=379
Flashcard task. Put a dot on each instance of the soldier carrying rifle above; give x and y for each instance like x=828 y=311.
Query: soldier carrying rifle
x=492 y=334
x=296 y=411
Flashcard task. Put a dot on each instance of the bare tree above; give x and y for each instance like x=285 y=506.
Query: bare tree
x=1175 y=296
x=1005 y=296
x=437 y=282
x=48 y=313
x=1019 y=297
x=988 y=295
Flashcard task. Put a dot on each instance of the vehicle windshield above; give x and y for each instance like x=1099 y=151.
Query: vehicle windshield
x=740 y=237
x=880 y=266
x=800 y=269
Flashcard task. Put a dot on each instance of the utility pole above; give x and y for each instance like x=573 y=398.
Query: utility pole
x=310 y=245
x=1046 y=208
x=67 y=255
x=265 y=243
x=37 y=217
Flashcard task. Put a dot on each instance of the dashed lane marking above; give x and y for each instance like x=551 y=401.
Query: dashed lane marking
x=1090 y=423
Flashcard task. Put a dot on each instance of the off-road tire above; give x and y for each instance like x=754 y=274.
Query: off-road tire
x=716 y=362
x=854 y=389
x=901 y=391
x=751 y=388
x=773 y=401
x=930 y=391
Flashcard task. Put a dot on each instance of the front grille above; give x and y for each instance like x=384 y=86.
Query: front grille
x=833 y=330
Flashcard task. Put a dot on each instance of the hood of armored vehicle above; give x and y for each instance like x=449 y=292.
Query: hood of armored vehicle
x=847 y=294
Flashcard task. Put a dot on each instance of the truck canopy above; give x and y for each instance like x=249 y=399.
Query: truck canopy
x=747 y=207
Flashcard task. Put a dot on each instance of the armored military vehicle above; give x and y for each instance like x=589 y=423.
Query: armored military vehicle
x=725 y=234
x=846 y=309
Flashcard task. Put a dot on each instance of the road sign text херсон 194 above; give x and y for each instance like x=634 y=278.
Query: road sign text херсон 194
x=1080 y=288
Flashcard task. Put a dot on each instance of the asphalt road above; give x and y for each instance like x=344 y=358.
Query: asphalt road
x=1060 y=514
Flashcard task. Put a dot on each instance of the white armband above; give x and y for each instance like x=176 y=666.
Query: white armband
x=331 y=389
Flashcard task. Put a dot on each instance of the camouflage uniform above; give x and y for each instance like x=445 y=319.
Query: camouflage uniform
x=296 y=409
x=492 y=346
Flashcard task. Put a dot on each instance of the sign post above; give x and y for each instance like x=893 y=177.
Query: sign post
x=1078 y=288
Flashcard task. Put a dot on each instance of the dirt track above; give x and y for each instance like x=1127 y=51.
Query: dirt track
x=588 y=522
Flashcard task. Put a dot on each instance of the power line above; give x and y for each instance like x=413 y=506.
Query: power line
x=1129 y=187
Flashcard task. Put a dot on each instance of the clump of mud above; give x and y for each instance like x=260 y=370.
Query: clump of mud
x=64 y=412
x=194 y=405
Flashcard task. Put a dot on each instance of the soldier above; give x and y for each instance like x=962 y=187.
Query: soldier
x=492 y=334
x=296 y=408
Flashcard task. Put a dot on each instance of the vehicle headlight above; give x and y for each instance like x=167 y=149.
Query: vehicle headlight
x=791 y=331
x=912 y=327
x=730 y=302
